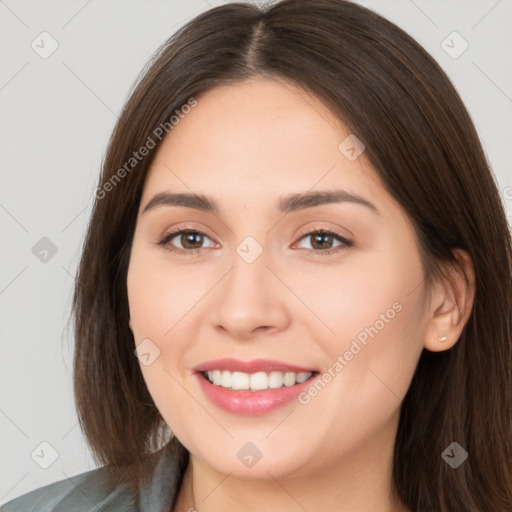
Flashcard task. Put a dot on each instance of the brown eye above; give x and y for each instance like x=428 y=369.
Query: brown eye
x=320 y=240
x=190 y=240
x=324 y=239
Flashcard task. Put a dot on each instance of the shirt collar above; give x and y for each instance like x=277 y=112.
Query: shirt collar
x=160 y=489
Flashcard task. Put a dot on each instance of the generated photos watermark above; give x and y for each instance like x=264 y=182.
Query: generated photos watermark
x=344 y=359
x=158 y=133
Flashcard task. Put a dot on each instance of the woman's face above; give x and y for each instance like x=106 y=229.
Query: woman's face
x=254 y=283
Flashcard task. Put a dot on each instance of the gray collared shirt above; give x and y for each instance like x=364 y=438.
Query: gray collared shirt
x=89 y=492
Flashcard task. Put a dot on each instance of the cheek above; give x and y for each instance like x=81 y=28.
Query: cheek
x=157 y=311
x=368 y=311
x=372 y=356
x=159 y=295
x=363 y=291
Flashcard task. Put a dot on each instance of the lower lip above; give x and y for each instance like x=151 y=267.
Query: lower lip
x=251 y=403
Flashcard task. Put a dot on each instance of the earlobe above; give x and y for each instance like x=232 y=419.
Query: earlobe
x=442 y=332
x=452 y=304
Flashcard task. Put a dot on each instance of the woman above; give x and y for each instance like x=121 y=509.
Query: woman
x=297 y=234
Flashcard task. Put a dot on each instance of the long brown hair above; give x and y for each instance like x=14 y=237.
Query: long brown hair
x=422 y=143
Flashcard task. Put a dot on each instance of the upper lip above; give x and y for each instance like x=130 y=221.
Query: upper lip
x=254 y=366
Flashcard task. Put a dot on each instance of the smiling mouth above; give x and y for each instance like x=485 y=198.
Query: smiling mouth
x=259 y=381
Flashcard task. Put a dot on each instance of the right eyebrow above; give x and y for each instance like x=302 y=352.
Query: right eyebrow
x=196 y=201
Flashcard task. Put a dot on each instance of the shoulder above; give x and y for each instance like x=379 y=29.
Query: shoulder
x=85 y=492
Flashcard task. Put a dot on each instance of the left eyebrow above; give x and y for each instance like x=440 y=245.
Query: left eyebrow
x=286 y=204
x=294 y=202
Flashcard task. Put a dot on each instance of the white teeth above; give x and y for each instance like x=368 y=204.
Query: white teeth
x=255 y=381
x=275 y=380
x=289 y=379
x=302 y=377
x=258 y=381
x=217 y=377
x=225 y=380
x=240 y=380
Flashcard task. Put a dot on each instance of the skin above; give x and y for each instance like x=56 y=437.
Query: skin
x=247 y=145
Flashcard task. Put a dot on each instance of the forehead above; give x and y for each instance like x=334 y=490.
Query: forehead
x=260 y=138
x=265 y=99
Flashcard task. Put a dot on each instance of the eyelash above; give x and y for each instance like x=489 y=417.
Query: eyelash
x=345 y=243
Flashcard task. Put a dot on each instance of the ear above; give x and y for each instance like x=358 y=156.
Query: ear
x=451 y=304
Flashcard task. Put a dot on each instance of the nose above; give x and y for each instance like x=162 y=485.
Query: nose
x=251 y=300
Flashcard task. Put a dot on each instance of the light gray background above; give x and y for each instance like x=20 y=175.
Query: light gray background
x=57 y=114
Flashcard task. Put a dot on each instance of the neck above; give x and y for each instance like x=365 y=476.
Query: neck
x=356 y=482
